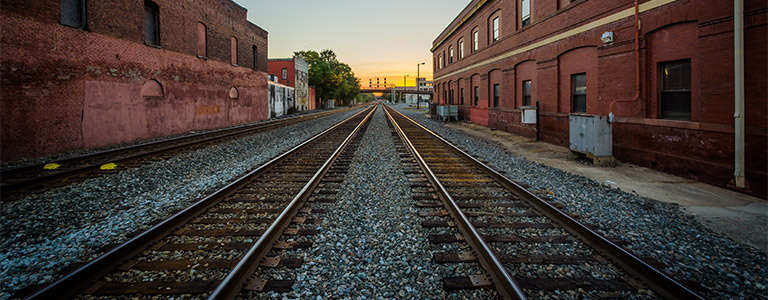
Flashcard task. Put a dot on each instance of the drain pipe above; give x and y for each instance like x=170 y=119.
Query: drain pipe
x=637 y=64
x=738 y=115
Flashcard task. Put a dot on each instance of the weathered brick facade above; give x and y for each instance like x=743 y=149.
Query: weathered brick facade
x=67 y=88
x=564 y=38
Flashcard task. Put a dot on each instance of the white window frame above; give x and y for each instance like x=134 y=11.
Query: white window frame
x=496 y=30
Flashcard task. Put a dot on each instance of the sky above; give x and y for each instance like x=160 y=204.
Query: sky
x=376 y=38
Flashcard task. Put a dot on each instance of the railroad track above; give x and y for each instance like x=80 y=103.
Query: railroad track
x=16 y=182
x=212 y=248
x=528 y=247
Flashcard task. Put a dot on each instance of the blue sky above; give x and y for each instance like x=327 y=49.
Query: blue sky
x=376 y=38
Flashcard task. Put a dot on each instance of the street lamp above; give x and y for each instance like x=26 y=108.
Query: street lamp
x=418 y=87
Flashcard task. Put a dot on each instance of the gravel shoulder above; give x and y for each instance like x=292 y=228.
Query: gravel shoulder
x=44 y=233
x=723 y=268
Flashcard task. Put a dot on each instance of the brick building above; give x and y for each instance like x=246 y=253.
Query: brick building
x=498 y=55
x=81 y=74
x=293 y=72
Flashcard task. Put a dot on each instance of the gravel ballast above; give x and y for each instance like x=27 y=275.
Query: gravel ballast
x=41 y=234
x=724 y=269
x=371 y=244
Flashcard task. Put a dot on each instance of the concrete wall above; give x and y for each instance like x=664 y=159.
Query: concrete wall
x=564 y=39
x=66 y=88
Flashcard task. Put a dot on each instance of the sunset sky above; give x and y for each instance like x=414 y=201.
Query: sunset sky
x=376 y=38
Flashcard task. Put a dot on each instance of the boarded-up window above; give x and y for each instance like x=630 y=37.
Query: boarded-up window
x=152 y=89
x=73 y=13
x=151 y=23
x=234 y=50
x=202 y=37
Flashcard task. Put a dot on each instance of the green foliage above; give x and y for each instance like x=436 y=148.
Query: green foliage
x=331 y=78
x=365 y=98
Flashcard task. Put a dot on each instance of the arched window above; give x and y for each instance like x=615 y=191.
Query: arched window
x=234 y=93
x=152 y=89
x=202 y=37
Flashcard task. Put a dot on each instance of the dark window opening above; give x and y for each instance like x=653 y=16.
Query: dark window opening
x=151 y=23
x=450 y=97
x=579 y=93
x=73 y=13
x=676 y=90
x=462 y=96
x=496 y=95
x=526 y=93
x=255 y=58
x=477 y=91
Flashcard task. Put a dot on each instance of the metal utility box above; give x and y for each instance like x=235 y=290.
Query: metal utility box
x=528 y=114
x=446 y=112
x=330 y=104
x=592 y=135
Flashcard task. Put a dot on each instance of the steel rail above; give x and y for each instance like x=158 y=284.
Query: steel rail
x=71 y=283
x=504 y=283
x=656 y=279
x=232 y=285
x=102 y=157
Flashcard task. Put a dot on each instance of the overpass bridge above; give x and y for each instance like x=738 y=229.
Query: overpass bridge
x=394 y=90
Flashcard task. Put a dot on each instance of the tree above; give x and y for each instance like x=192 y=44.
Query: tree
x=331 y=78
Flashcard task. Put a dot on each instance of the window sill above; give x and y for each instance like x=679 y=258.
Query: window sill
x=153 y=46
x=202 y=57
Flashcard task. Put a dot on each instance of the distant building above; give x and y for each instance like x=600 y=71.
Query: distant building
x=424 y=86
x=293 y=72
x=80 y=74
x=281 y=97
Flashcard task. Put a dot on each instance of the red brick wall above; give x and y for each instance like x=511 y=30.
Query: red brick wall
x=65 y=88
x=669 y=32
x=276 y=68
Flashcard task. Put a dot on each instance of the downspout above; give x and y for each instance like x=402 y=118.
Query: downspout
x=738 y=115
x=637 y=64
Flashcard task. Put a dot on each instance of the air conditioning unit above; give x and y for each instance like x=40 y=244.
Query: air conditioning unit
x=528 y=114
x=592 y=135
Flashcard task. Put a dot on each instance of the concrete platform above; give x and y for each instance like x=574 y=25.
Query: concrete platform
x=740 y=217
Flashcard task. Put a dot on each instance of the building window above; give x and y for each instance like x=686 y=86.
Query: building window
x=442 y=63
x=526 y=93
x=151 y=23
x=450 y=60
x=526 y=12
x=202 y=35
x=73 y=13
x=450 y=97
x=579 y=92
x=676 y=90
x=477 y=92
x=461 y=50
x=475 y=41
x=285 y=74
x=496 y=29
x=255 y=57
x=496 y=95
x=234 y=50
x=462 y=96
x=445 y=96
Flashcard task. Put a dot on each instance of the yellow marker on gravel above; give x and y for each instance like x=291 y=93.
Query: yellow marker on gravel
x=51 y=166
x=109 y=166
